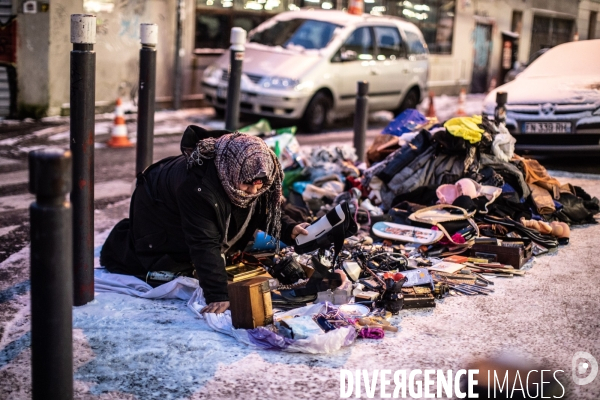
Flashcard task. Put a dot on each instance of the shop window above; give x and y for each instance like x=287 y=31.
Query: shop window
x=435 y=19
x=548 y=32
x=517 y=21
x=215 y=18
x=212 y=31
x=324 y=4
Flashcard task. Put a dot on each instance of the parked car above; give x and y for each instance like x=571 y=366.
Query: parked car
x=518 y=68
x=303 y=66
x=554 y=104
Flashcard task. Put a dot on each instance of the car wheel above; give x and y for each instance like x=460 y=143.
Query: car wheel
x=411 y=100
x=316 y=115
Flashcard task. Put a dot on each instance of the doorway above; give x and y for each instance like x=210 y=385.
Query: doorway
x=482 y=46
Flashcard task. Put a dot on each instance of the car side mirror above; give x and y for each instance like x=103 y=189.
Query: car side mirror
x=348 y=55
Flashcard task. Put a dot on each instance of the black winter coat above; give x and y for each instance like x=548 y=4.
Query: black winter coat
x=177 y=217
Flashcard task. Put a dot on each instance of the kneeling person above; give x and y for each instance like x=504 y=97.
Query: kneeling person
x=188 y=212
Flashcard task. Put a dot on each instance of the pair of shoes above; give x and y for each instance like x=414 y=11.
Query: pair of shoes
x=561 y=231
x=315 y=192
x=373 y=210
x=540 y=226
x=547 y=241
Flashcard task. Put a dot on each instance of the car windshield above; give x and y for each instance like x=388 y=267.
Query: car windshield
x=306 y=33
x=572 y=59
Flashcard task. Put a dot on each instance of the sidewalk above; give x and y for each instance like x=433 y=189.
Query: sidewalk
x=129 y=348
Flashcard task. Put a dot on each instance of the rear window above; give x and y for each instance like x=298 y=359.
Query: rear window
x=296 y=33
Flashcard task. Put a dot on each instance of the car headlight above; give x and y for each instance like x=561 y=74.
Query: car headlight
x=212 y=72
x=275 y=82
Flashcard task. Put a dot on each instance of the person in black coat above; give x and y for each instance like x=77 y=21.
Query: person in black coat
x=187 y=212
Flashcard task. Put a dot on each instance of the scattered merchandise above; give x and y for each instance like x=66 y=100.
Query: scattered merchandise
x=441 y=210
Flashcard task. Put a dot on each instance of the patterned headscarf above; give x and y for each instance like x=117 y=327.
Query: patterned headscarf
x=242 y=158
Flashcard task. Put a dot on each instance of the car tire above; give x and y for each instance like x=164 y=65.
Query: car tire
x=316 y=116
x=411 y=100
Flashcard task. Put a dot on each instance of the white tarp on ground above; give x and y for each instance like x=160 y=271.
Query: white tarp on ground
x=184 y=288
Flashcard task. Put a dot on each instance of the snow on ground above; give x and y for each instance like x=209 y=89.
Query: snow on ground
x=130 y=348
x=127 y=347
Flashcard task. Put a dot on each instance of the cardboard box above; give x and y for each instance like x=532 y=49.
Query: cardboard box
x=250 y=303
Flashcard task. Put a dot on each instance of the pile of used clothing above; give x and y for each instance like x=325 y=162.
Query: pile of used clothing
x=437 y=210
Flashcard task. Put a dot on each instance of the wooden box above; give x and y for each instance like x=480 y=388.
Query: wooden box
x=250 y=303
x=516 y=256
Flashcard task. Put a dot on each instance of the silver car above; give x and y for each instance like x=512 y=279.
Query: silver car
x=303 y=66
x=554 y=104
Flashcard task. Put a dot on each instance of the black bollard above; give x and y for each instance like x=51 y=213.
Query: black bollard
x=361 y=115
x=147 y=95
x=232 y=113
x=51 y=274
x=500 y=111
x=83 y=88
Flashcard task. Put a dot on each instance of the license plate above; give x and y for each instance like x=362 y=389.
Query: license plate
x=222 y=93
x=547 y=127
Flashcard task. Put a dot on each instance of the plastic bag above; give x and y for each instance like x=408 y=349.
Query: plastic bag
x=503 y=145
x=409 y=120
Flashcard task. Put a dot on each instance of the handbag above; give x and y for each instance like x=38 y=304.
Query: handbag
x=442 y=213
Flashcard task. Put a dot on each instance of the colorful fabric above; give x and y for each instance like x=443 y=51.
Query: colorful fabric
x=466 y=128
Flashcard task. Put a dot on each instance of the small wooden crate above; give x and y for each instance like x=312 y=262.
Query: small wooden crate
x=250 y=303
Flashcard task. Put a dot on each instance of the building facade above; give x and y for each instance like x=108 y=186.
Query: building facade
x=472 y=42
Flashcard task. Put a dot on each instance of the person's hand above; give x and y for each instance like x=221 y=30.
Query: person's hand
x=217 y=307
x=299 y=230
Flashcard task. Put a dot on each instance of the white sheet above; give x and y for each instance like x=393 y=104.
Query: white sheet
x=188 y=289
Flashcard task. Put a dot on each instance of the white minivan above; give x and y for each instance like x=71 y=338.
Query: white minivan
x=303 y=66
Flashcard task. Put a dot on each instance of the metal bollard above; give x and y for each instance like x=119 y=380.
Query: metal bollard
x=51 y=274
x=232 y=113
x=500 y=111
x=361 y=116
x=83 y=88
x=147 y=95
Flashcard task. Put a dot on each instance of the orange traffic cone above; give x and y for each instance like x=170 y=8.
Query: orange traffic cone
x=431 y=109
x=118 y=134
x=461 y=103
